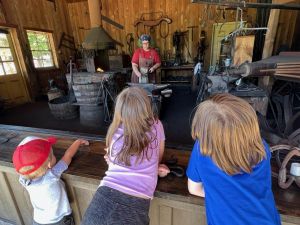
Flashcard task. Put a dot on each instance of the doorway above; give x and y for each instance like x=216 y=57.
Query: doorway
x=13 y=90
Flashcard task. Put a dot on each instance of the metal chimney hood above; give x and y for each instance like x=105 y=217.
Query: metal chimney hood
x=97 y=38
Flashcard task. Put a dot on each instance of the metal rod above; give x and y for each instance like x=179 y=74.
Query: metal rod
x=244 y=4
x=235 y=32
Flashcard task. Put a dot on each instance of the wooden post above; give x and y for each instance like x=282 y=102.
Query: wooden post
x=267 y=82
x=95 y=13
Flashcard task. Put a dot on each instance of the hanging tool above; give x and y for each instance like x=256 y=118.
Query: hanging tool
x=130 y=43
x=201 y=48
x=192 y=29
x=71 y=93
x=151 y=23
x=178 y=42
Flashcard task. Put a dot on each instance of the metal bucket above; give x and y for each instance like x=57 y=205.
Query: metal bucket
x=92 y=115
x=89 y=93
x=62 y=109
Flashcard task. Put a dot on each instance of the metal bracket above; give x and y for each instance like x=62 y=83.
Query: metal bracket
x=244 y=4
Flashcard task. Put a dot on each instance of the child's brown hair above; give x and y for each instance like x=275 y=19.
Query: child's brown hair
x=228 y=131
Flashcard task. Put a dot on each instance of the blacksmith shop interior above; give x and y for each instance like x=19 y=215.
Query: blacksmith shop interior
x=63 y=63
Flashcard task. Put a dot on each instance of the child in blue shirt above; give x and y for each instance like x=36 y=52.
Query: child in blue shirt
x=230 y=164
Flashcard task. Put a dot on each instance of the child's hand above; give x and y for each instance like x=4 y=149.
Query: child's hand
x=71 y=151
x=163 y=170
x=83 y=142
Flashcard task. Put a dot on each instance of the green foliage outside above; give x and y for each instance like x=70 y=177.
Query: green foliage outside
x=40 y=48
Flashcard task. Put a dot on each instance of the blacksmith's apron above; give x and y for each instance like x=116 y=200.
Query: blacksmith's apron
x=144 y=66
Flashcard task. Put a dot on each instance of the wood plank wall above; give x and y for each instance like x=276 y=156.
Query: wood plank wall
x=286 y=29
x=182 y=12
x=39 y=15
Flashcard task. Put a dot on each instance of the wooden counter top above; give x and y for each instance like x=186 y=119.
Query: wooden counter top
x=89 y=163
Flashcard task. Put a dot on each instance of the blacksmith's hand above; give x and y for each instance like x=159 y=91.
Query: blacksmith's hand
x=151 y=70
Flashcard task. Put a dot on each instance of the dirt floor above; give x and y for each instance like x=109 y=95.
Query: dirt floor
x=176 y=116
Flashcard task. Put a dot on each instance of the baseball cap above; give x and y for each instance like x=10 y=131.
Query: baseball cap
x=145 y=37
x=32 y=152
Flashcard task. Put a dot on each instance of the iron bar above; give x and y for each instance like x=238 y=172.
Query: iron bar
x=244 y=4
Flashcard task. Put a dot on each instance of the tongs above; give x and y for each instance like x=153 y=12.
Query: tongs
x=175 y=169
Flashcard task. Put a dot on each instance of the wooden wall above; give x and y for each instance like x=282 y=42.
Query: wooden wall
x=182 y=12
x=286 y=30
x=72 y=18
x=40 y=15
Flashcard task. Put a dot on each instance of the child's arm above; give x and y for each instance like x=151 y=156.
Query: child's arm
x=163 y=170
x=71 y=151
x=196 y=188
x=161 y=150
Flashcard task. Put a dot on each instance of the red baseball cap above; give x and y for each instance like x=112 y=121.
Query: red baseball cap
x=32 y=153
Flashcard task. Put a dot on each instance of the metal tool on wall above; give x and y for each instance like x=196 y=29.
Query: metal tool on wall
x=71 y=93
x=151 y=23
x=178 y=43
x=130 y=43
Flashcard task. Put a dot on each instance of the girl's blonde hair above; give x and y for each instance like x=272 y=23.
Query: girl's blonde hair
x=134 y=112
x=39 y=172
x=227 y=129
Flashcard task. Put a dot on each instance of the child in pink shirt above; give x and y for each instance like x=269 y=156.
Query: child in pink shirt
x=135 y=145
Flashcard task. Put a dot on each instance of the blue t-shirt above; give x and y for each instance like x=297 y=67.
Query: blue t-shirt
x=238 y=199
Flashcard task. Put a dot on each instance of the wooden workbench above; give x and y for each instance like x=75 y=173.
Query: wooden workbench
x=172 y=203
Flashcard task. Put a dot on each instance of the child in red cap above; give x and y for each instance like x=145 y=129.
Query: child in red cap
x=40 y=175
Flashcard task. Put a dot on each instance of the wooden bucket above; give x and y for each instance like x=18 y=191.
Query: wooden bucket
x=89 y=93
x=62 y=109
x=92 y=115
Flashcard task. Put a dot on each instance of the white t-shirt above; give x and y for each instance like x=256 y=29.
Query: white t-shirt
x=48 y=196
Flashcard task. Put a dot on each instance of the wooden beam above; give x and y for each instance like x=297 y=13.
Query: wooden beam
x=74 y=1
x=266 y=81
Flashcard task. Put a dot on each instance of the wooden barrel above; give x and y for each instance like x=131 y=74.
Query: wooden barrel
x=62 y=109
x=88 y=93
x=92 y=115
